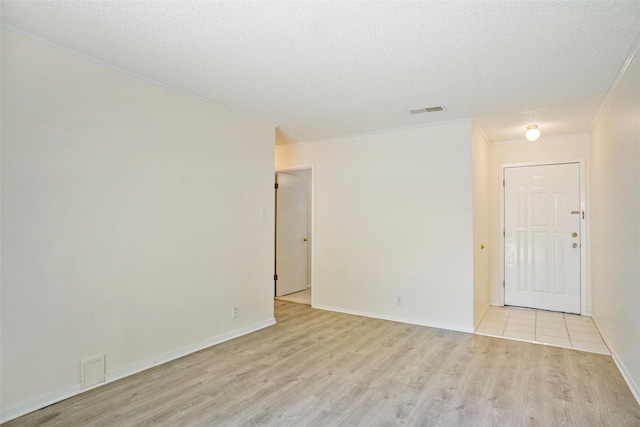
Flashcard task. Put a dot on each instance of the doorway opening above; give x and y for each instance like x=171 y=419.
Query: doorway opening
x=294 y=235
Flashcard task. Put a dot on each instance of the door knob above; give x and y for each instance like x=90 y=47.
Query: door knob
x=575 y=245
x=574 y=234
x=305 y=240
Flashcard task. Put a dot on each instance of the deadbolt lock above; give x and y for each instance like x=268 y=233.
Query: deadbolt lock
x=574 y=234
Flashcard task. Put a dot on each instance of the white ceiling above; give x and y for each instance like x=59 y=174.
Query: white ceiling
x=335 y=68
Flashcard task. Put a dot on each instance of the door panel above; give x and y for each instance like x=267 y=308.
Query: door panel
x=291 y=234
x=542 y=256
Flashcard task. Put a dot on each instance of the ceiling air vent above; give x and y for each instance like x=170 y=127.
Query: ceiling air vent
x=427 y=109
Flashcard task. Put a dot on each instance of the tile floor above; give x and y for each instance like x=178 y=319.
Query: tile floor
x=543 y=327
x=302 y=297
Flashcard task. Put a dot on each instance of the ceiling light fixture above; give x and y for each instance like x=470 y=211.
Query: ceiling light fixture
x=532 y=133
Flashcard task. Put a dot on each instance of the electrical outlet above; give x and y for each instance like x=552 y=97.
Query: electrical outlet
x=398 y=300
x=234 y=312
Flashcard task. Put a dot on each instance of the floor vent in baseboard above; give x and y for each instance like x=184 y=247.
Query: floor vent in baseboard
x=92 y=371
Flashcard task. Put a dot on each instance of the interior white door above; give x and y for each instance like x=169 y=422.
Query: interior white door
x=542 y=237
x=291 y=234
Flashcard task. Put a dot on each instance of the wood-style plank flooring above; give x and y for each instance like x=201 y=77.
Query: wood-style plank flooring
x=319 y=368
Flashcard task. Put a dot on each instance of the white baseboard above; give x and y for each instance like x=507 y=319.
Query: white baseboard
x=73 y=390
x=395 y=319
x=635 y=389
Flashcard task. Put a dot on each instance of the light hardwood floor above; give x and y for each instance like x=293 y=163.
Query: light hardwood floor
x=319 y=368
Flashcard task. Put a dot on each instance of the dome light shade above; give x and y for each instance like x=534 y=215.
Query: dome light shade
x=533 y=133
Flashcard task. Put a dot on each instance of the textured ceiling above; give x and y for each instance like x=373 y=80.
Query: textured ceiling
x=326 y=69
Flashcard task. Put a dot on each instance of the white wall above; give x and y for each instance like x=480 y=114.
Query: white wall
x=393 y=217
x=544 y=150
x=615 y=224
x=130 y=222
x=481 y=289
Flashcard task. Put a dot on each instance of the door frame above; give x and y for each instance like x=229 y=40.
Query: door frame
x=312 y=212
x=585 y=291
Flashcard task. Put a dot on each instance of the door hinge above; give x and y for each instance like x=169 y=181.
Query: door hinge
x=275 y=186
x=503 y=284
x=275 y=277
x=504 y=233
x=503 y=182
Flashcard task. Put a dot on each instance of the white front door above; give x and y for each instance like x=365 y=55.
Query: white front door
x=542 y=214
x=291 y=234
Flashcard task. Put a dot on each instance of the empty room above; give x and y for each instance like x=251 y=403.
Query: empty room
x=319 y=213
